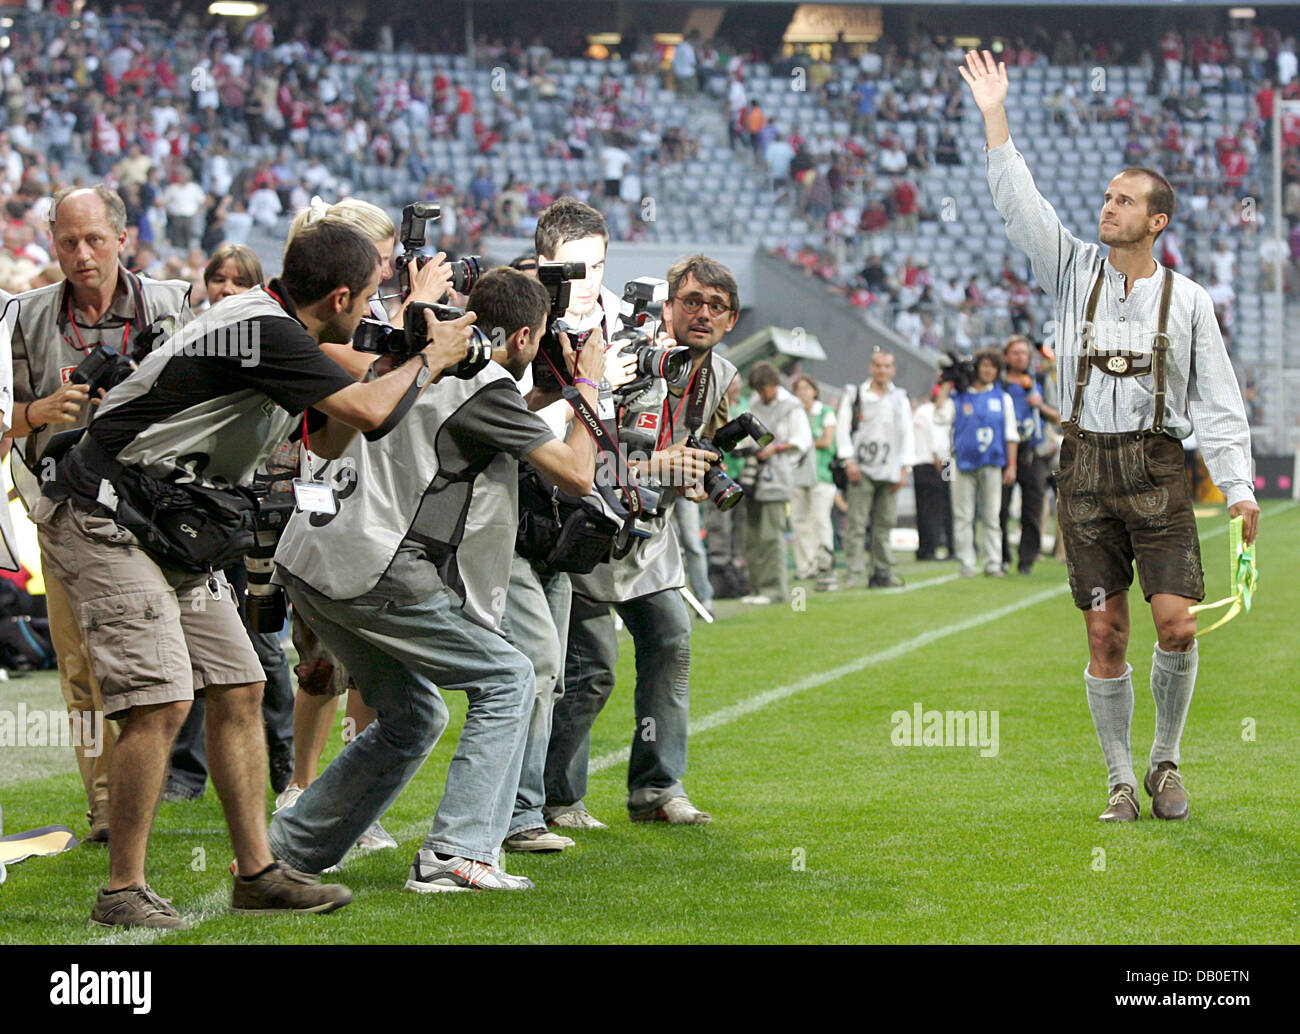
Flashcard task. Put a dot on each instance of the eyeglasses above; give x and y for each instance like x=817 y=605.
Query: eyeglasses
x=691 y=304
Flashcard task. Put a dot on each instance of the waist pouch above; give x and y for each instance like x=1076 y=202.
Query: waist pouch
x=563 y=534
x=189 y=526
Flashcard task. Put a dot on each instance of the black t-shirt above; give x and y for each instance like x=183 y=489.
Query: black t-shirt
x=212 y=402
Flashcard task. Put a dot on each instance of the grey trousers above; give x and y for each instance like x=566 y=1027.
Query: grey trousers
x=537 y=625
x=765 y=551
x=661 y=632
x=873 y=503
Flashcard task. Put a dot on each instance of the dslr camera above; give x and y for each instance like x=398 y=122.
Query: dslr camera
x=638 y=328
x=958 y=370
x=103 y=367
x=415 y=219
x=557 y=278
x=720 y=486
x=379 y=338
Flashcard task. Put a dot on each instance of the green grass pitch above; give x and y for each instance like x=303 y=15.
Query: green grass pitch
x=825 y=830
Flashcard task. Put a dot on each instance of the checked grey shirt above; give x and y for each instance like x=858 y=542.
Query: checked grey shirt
x=1201 y=386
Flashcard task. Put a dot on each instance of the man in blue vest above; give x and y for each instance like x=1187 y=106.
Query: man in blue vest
x=985 y=441
x=1035 y=399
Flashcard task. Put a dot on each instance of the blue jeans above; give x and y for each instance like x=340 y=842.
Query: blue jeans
x=537 y=624
x=397 y=655
x=661 y=633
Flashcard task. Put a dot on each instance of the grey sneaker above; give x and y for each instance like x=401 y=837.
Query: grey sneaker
x=432 y=875
x=136 y=906
x=575 y=818
x=287 y=798
x=281 y=889
x=376 y=838
x=677 y=811
x=539 y=838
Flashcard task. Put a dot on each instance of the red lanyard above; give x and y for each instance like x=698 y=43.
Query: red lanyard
x=672 y=418
x=81 y=345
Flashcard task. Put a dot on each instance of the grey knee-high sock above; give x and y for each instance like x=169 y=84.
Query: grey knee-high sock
x=1173 y=677
x=1111 y=704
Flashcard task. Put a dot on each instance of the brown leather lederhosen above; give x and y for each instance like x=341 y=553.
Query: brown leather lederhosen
x=1123 y=496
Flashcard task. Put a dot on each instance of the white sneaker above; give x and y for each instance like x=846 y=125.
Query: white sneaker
x=376 y=838
x=576 y=818
x=431 y=875
x=677 y=811
x=539 y=838
x=288 y=799
x=757 y=601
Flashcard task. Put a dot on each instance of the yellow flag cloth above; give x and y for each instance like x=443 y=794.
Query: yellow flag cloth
x=1243 y=576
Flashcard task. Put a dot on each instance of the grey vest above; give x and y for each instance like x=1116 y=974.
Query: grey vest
x=396 y=491
x=655 y=563
x=42 y=358
x=775 y=479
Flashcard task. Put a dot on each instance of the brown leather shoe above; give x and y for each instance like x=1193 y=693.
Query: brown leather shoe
x=1123 y=806
x=98 y=819
x=282 y=889
x=1165 y=785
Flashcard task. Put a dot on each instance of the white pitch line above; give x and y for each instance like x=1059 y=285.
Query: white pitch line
x=771 y=696
x=213 y=903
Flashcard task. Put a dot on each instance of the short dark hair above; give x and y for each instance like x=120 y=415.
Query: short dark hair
x=568 y=219
x=763 y=375
x=709 y=272
x=1160 y=198
x=326 y=255
x=506 y=300
x=992 y=355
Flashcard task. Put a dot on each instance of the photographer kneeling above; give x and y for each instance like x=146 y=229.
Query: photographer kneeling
x=406 y=585
x=145 y=510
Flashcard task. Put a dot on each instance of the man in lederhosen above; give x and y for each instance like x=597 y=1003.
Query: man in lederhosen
x=1141 y=359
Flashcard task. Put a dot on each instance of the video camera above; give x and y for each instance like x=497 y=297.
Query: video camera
x=720 y=486
x=961 y=371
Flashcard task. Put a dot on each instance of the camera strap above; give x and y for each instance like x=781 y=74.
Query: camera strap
x=605 y=442
x=696 y=401
x=608 y=444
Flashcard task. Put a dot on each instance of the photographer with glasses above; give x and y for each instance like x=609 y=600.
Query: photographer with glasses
x=642 y=585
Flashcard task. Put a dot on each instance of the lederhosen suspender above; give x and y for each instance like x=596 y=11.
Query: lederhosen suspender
x=1121 y=365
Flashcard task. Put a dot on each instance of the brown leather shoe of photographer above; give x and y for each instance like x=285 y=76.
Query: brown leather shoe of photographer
x=1165 y=785
x=1123 y=805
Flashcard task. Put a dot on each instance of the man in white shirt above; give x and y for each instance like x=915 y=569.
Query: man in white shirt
x=876 y=443
x=184 y=200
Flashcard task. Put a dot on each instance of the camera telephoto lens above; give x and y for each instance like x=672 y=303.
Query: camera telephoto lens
x=724 y=492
